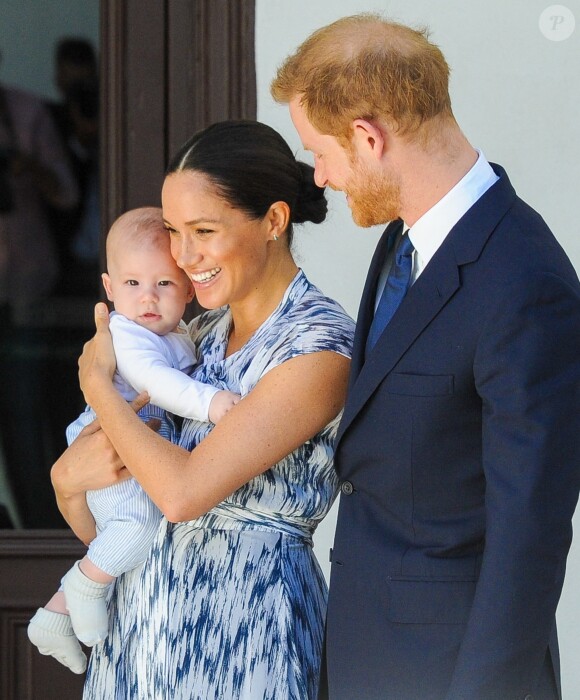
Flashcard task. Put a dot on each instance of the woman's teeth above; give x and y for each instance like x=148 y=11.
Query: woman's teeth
x=205 y=276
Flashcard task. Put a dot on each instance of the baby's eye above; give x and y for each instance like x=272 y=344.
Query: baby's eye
x=132 y=283
x=164 y=283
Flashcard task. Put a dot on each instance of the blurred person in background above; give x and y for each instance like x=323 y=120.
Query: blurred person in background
x=34 y=173
x=76 y=117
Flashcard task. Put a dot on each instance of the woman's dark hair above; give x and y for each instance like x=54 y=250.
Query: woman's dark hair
x=252 y=167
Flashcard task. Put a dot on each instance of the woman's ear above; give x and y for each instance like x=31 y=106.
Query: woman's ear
x=108 y=286
x=278 y=219
x=369 y=139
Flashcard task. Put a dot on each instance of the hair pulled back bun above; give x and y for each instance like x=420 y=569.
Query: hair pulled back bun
x=310 y=204
x=252 y=167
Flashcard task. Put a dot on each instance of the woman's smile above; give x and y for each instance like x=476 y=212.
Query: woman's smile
x=205 y=276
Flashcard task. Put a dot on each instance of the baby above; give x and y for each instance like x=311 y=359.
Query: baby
x=154 y=354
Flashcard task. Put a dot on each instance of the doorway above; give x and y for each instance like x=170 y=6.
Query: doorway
x=166 y=69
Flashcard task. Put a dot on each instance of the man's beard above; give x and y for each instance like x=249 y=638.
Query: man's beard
x=374 y=197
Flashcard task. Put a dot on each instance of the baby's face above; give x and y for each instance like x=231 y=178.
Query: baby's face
x=147 y=287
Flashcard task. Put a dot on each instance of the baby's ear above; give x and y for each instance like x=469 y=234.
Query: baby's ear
x=108 y=286
x=191 y=292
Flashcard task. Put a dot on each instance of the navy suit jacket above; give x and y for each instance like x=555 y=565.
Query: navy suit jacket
x=458 y=454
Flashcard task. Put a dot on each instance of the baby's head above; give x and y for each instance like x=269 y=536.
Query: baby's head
x=142 y=279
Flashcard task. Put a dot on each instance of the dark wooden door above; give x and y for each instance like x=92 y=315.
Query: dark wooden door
x=168 y=68
x=32 y=563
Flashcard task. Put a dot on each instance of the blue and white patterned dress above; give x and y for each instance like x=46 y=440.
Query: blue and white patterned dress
x=231 y=606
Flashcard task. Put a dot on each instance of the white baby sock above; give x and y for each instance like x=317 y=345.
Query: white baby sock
x=53 y=634
x=86 y=601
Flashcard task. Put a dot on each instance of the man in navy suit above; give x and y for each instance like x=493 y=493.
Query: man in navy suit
x=458 y=450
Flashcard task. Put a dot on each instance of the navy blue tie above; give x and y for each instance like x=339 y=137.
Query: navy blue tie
x=398 y=282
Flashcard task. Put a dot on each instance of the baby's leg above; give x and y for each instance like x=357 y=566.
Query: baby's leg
x=85 y=589
x=127 y=521
x=57 y=603
x=50 y=630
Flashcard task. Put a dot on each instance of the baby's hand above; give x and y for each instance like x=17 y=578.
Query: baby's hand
x=221 y=404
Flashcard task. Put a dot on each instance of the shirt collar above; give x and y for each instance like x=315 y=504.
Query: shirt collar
x=429 y=232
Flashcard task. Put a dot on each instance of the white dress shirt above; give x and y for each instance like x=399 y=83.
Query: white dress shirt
x=429 y=232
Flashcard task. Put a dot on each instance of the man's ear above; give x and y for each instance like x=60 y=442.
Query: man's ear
x=369 y=138
x=107 y=285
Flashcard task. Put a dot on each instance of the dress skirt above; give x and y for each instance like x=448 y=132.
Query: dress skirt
x=222 y=614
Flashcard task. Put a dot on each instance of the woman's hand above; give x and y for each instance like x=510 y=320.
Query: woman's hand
x=97 y=363
x=90 y=462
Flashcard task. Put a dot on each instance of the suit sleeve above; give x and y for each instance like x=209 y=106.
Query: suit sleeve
x=527 y=373
x=143 y=363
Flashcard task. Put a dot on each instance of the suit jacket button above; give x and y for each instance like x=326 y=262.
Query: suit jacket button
x=347 y=488
x=529 y=697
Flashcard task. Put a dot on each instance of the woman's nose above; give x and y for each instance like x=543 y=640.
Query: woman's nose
x=186 y=253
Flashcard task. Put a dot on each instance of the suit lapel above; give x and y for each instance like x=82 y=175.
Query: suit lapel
x=423 y=302
x=433 y=289
x=367 y=306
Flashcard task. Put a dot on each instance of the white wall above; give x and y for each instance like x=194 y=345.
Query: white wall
x=516 y=95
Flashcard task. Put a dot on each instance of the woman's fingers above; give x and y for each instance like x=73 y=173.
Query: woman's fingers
x=101 y=317
x=139 y=401
x=91 y=427
x=97 y=361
